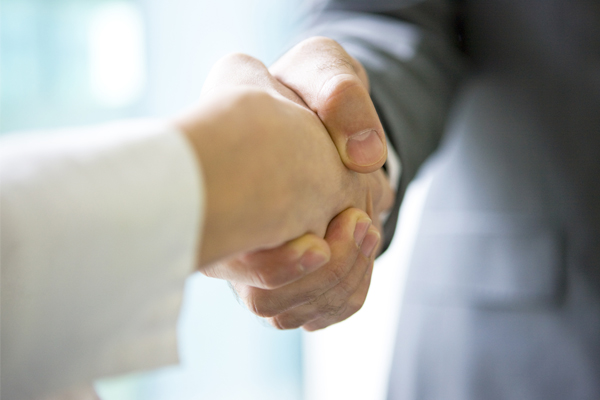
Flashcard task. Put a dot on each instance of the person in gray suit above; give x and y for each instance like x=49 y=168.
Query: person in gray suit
x=502 y=98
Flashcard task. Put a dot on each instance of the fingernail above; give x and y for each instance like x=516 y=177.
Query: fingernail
x=362 y=226
x=369 y=244
x=365 y=148
x=312 y=260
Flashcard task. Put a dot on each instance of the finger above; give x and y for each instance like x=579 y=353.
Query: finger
x=345 y=234
x=239 y=69
x=339 y=302
x=335 y=86
x=383 y=194
x=273 y=268
x=383 y=197
x=354 y=304
x=388 y=198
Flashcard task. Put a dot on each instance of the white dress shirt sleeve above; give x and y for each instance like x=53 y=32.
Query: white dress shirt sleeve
x=99 y=230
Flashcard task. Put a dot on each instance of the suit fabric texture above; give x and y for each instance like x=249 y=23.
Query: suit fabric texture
x=498 y=102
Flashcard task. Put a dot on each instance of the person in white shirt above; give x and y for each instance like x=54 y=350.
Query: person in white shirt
x=101 y=226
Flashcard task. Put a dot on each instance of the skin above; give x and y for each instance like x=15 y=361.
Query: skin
x=336 y=87
x=291 y=285
x=290 y=128
x=332 y=292
x=292 y=181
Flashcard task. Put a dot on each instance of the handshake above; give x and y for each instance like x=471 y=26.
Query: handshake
x=292 y=213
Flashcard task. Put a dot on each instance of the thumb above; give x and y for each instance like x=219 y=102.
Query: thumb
x=335 y=86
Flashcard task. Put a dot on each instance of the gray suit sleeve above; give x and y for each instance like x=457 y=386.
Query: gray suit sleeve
x=409 y=49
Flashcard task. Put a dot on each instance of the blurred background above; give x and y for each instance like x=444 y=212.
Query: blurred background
x=73 y=62
x=77 y=62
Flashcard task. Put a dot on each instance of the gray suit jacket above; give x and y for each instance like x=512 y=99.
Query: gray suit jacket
x=503 y=295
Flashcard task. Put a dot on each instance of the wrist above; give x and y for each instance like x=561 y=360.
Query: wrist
x=234 y=157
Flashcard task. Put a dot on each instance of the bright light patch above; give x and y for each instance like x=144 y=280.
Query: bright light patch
x=117 y=61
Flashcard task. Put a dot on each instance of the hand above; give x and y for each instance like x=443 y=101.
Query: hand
x=321 y=66
x=282 y=177
x=276 y=284
x=333 y=292
x=336 y=87
x=320 y=75
x=280 y=284
x=311 y=282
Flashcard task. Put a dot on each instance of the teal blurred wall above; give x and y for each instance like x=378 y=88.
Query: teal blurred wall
x=48 y=55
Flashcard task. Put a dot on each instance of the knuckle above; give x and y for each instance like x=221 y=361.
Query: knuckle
x=267 y=279
x=331 y=54
x=237 y=57
x=255 y=304
x=221 y=269
x=308 y=297
x=289 y=254
x=272 y=273
x=242 y=291
x=212 y=271
x=254 y=98
x=284 y=322
x=260 y=278
x=252 y=305
x=275 y=322
x=260 y=309
x=253 y=101
x=354 y=305
x=340 y=87
x=334 y=274
x=330 y=311
x=328 y=308
x=320 y=41
x=338 y=62
x=344 y=82
x=265 y=306
x=344 y=289
x=342 y=313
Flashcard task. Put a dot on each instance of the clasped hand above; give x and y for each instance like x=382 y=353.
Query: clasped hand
x=309 y=117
